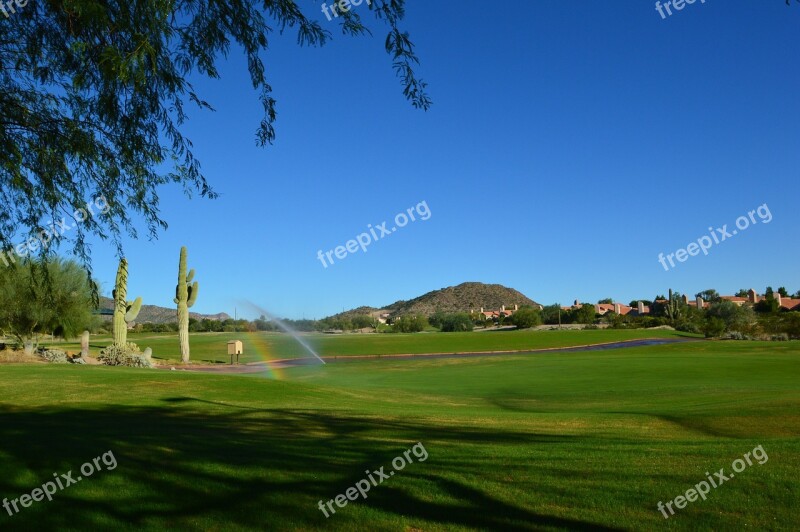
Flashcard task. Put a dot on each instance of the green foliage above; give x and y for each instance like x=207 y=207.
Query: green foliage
x=93 y=96
x=714 y=327
x=585 y=314
x=768 y=305
x=363 y=321
x=732 y=316
x=607 y=301
x=39 y=298
x=526 y=317
x=458 y=322
x=552 y=313
x=409 y=324
x=710 y=295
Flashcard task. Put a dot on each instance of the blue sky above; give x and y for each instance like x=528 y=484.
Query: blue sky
x=568 y=145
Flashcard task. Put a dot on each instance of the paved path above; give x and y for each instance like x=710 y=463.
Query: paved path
x=261 y=367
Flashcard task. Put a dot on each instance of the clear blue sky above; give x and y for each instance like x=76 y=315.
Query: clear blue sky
x=569 y=144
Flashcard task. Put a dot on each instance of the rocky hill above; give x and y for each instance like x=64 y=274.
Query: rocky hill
x=461 y=298
x=156 y=314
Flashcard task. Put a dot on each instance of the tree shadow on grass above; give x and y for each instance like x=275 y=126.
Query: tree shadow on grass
x=200 y=465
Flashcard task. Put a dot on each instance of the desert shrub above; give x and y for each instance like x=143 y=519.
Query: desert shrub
x=690 y=327
x=410 y=324
x=527 y=317
x=456 y=323
x=54 y=356
x=128 y=355
x=734 y=335
x=714 y=327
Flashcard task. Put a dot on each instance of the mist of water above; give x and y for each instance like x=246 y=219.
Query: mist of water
x=285 y=328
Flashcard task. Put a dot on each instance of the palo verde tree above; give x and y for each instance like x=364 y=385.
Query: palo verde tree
x=30 y=307
x=93 y=96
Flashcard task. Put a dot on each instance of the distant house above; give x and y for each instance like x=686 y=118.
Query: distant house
x=735 y=299
x=617 y=308
x=495 y=315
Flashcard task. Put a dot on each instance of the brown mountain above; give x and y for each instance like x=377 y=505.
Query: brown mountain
x=461 y=298
x=156 y=314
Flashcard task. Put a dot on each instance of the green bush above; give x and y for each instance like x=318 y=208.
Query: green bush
x=526 y=317
x=456 y=323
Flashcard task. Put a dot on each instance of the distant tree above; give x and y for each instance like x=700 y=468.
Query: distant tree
x=586 y=314
x=362 y=321
x=550 y=314
x=782 y=291
x=710 y=295
x=437 y=318
x=31 y=307
x=459 y=322
x=742 y=293
x=527 y=317
x=714 y=327
x=410 y=324
x=635 y=303
x=768 y=305
x=607 y=301
x=263 y=324
x=734 y=317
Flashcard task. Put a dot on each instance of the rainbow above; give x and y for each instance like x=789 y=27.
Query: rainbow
x=256 y=343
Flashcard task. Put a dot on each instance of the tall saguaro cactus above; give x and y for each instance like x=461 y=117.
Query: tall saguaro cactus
x=124 y=311
x=672 y=308
x=185 y=296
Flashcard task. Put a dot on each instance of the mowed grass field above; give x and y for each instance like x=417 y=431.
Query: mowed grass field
x=212 y=347
x=557 y=441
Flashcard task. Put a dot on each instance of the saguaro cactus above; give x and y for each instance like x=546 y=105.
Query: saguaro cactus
x=124 y=311
x=85 y=344
x=672 y=308
x=185 y=296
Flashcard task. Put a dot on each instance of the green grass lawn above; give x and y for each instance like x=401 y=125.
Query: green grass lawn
x=543 y=442
x=212 y=347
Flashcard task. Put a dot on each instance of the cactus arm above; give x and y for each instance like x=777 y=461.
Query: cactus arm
x=133 y=310
x=190 y=276
x=192 y=294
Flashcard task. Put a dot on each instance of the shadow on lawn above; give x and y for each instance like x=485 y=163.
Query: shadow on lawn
x=200 y=465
